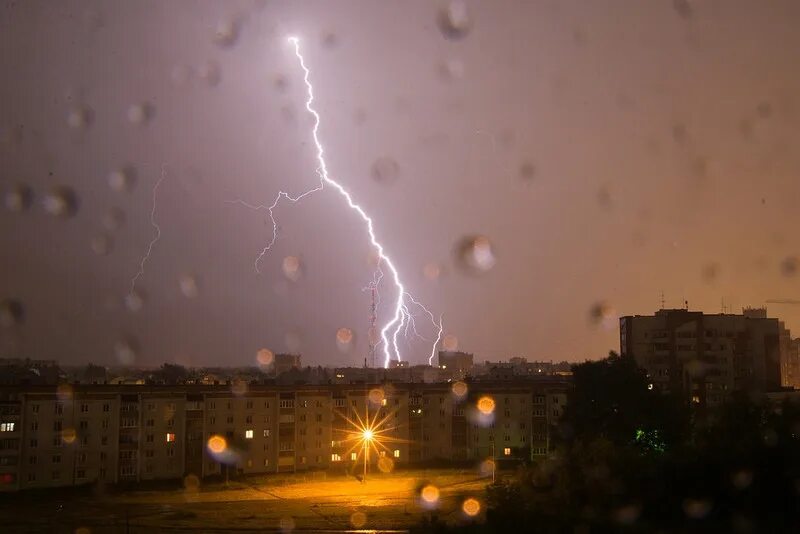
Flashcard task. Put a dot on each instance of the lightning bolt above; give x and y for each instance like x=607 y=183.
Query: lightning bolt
x=400 y=311
x=156 y=234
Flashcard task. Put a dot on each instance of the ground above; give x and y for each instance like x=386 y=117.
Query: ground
x=316 y=501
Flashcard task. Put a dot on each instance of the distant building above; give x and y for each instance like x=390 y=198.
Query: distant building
x=457 y=364
x=705 y=356
x=286 y=362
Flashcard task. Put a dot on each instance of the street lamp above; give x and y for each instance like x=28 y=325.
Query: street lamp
x=366 y=437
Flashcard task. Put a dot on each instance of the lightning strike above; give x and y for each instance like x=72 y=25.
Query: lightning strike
x=157 y=233
x=400 y=313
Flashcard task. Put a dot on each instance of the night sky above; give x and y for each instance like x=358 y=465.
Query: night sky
x=609 y=151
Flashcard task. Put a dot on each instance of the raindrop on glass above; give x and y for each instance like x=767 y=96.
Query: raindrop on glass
x=122 y=180
x=603 y=315
x=141 y=113
x=12 y=313
x=80 y=118
x=18 y=198
x=210 y=73
x=344 y=339
x=385 y=170
x=102 y=244
x=527 y=171
x=710 y=272
x=475 y=254
x=181 y=75
x=330 y=40
x=453 y=20
x=293 y=341
x=227 y=33
x=292 y=268
x=189 y=286
x=683 y=8
x=126 y=351
x=789 y=266
x=114 y=219
x=432 y=271
x=61 y=201
x=451 y=69
x=281 y=83
x=134 y=301
x=450 y=342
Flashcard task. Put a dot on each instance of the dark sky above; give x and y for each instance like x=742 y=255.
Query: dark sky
x=608 y=150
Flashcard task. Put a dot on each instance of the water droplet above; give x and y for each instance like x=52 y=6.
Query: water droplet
x=210 y=73
x=679 y=133
x=227 y=33
x=286 y=524
x=453 y=20
x=475 y=254
x=429 y=495
x=460 y=390
x=239 y=388
x=330 y=40
x=696 y=508
x=114 y=219
x=293 y=341
x=451 y=69
x=126 y=351
x=141 y=113
x=12 y=313
x=710 y=272
x=102 y=244
x=344 y=339
x=80 y=118
x=134 y=301
x=292 y=268
x=527 y=171
x=471 y=507
x=602 y=314
x=61 y=201
x=764 y=110
x=189 y=286
x=742 y=479
x=789 y=266
x=450 y=343
x=264 y=357
x=281 y=83
x=376 y=395
x=604 y=197
x=18 y=198
x=122 y=180
x=181 y=75
x=432 y=271
x=683 y=8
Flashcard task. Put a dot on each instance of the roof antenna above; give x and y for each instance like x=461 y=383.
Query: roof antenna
x=662 y=300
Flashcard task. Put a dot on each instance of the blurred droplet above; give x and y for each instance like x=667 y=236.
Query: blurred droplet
x=344 y=339
x=102 y=244
x=487 y=467
x=429 y=496
x=181 y=75
x=450 y=343
x=385 y=464
x=789 y=266
x=61 y=201
x=764 y=110
x=12 y=313
x=696 y=508
x=68 y=436
x=18 y=198
x=742 y=479
x=292 y=268
x=459 y=390
x=710 y=272
x=603 y=314
x=264 y=357
x=83 y=530
x=122 y=180
x=359 y=116
x=210 y=73
x=227 y=33
x=358 y=519
x=679 y=133
x=527 y=171
x=471 y=507
x=450 y=70
x=293 y=341
x=683 y=8
x=191 y=483
x=627 y=515
x=432 y=271
x=286 y=524
x=239 y=388
x=64 y=392
x=604 y=197
x=376 y=396
x=475 y=254
x=330 y=40
x=385 y=170
x=486 y=405
x=281 y=83
x=80 y=118
x=125 y=351
x=453 y=20
x=134 y=300
x=141 y=113
x=114 y=219
x=189 y=286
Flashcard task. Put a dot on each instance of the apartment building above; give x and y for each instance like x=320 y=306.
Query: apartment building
x=74 y=435
x=705 y=356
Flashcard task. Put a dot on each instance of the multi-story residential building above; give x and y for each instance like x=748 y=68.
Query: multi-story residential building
x=95 y=433
x=705 y=356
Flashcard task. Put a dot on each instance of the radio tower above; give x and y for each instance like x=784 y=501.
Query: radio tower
x=373 y=317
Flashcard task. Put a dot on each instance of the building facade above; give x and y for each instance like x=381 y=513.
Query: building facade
x=74 y=435
x=705 y=356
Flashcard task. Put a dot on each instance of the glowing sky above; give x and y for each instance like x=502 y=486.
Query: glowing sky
x=609 y=151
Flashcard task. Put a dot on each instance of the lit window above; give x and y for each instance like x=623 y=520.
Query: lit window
x=7 y=427
x=266 y=433
x=507 y=451
x=383 y=402
x=170 y=437
x=353 y=456
x=248 y=434
x=336 y=458
x=397 y=453
x=383 y=453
